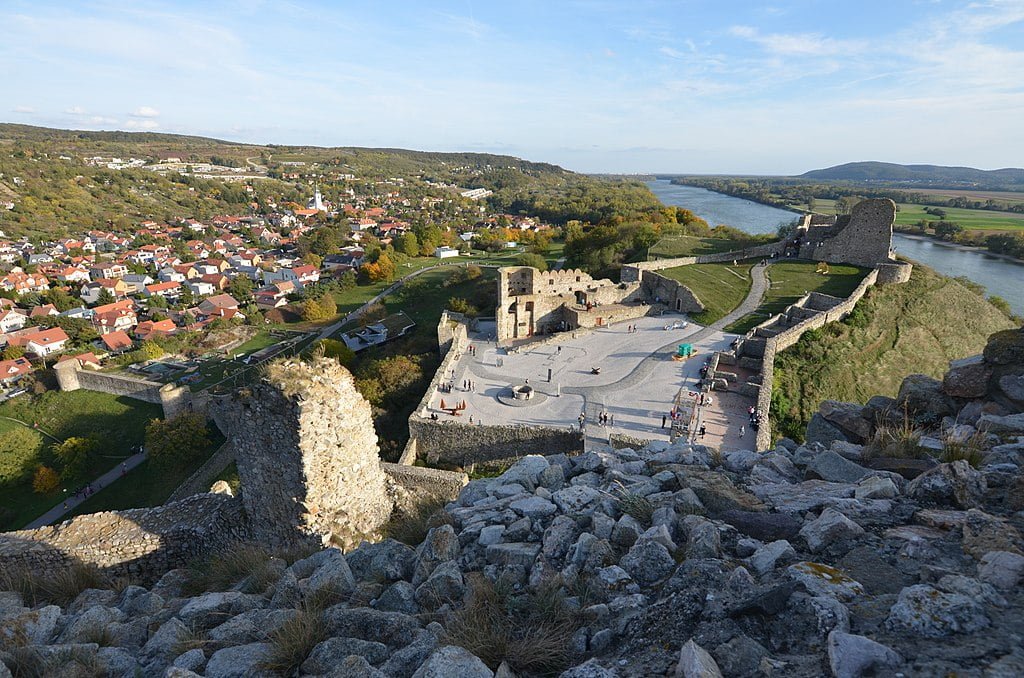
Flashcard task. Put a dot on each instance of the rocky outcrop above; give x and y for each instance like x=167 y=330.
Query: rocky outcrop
x=799 y=561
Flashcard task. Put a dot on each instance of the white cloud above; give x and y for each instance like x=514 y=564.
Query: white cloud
x=145 y=112
x=142 y=125
x=23 y=109
x=75 y=110
x=101 y=120
x=798 y=44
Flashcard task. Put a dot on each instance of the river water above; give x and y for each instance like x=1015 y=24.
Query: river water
x=999 y=276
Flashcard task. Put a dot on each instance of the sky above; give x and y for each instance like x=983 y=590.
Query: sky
x=672 y=86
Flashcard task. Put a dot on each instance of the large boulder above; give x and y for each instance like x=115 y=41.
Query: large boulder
x=924 y=398
x=452 y=661
x=830 y=466
x=1005 y=348
x=983 y=533
x=1002 y=569
x=822 y=431
x=852 y=656
x=828 y=528
x=696 y=662
x=954 y=484
x=967 y=378
x=763 y=526
x=848 y=418
x=1012 y=386
x=1010 y=424
x=929 y=612
x=440 y=545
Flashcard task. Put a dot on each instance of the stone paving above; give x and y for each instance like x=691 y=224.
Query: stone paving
x=637 y=384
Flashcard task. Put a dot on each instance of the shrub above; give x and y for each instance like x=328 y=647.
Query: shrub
x=901 y=440
x=45 y=480
x=637 y=506
x=75 y=455
x=531 y=632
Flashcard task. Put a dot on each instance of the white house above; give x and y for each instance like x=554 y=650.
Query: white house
x=445 y=252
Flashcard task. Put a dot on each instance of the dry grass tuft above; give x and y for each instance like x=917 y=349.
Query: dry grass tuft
x=971 y=450
x=410 y=525
x=59 y=587
x=901 y=440
x=296 y=638
x=531 y=632
x=240 y=562
x=635 y=505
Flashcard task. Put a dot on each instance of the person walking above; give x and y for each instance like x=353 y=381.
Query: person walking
x=743 y=431
x=703 y=430
x=663 y=419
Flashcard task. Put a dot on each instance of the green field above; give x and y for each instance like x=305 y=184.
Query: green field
x=972 y=220
x=674 y=246
x=118 y=423
x=720 y=287
x=791 y=280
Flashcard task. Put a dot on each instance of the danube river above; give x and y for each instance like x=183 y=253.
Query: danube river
x=999 y=276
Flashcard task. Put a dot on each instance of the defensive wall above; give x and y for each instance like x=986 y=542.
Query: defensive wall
x=757 y=350
x=310 y=471
x=173 y=399
x=139 y=543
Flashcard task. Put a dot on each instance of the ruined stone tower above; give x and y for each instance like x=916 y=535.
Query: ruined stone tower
x=307 y=456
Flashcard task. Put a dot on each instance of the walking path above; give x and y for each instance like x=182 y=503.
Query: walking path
x=66 y=507
x=34 y=428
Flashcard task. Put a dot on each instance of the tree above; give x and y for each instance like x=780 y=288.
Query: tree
x=75 y=455
x=460 y=305
x=105 y=297
x=408 y=243
x=336 y=349
x=240 y=287
x=60 y=299
x=12 y=352
x=176 y=443
x=313 y=259
x=534 y=260
x=382 y=270
x=947 y=230
x=45 y=480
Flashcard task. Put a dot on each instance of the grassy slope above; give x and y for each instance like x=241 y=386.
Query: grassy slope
x=972 y=220
x=790 y=280
x=896 y=330
x=688 y=245
x=119 y=423
x=720 y=287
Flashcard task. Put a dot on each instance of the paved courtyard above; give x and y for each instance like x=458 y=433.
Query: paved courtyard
x=637 y=384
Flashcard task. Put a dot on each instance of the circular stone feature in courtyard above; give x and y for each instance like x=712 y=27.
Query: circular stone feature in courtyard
x=520 y=395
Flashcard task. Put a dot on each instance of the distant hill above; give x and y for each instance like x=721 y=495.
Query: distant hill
x=920 y=175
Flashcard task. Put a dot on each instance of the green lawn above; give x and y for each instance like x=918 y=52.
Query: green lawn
x=720 y=287
x=790 y=280
x=145 y=485
x=674 y=246
x=118 y=423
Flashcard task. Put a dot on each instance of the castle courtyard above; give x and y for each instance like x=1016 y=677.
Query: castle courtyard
x=636 y=382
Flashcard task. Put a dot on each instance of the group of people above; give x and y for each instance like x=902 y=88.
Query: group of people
x=755 y=420
x=631 y=329
x=606 y=419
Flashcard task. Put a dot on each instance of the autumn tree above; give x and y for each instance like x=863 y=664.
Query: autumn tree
x=176 y=443
x=45 y=480
x=75 y=455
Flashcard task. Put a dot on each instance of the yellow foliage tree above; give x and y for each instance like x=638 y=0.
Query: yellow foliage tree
x=45 y=480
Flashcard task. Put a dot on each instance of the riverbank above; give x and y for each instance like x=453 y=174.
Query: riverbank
x=957 y=246
x=775 y=205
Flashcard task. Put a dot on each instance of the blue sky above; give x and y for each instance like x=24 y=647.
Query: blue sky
x=593 y=85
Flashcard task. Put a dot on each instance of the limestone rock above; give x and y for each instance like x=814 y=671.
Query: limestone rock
x=391 y=628
x=954 y=484
x=831 y=526
x=967 y=377
x=852 y=656
x=329 y=653
x=821 y=431
x=333 y=574
x=354 y=666
x=526 y=472
x=648 y=562
x=984 y=533
x=703 y=540
x=695 y=662
x=575 y=498
x=589 y=669
x=441 y=544
x=766 y=558
x=453 y=661
x=533 y=507
x=1012 y=385
x=241 y=661
x=389 y=559
x=832 y=467
x=399 y=597
x=763 y=526
x=809 y=495
x=209 y=609
x=931 y=613
x=445 y=585
x=848 y=417
x=36 y=625
x=924 y=398
x=875 y=487
x=1002 y=569
x=1010 y=424
x=1005 y=348
x=823 y=580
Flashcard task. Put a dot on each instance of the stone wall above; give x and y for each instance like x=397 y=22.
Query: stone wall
x=864 y=239
x=173 y=399
x=419 y=484
x=675 y=295
x=635 y=272
x=141 y=543
x=307 y=456
x=200 y=481
x=461 y=444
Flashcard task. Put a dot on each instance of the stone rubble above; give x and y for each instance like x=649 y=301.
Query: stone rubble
x=805 y=560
